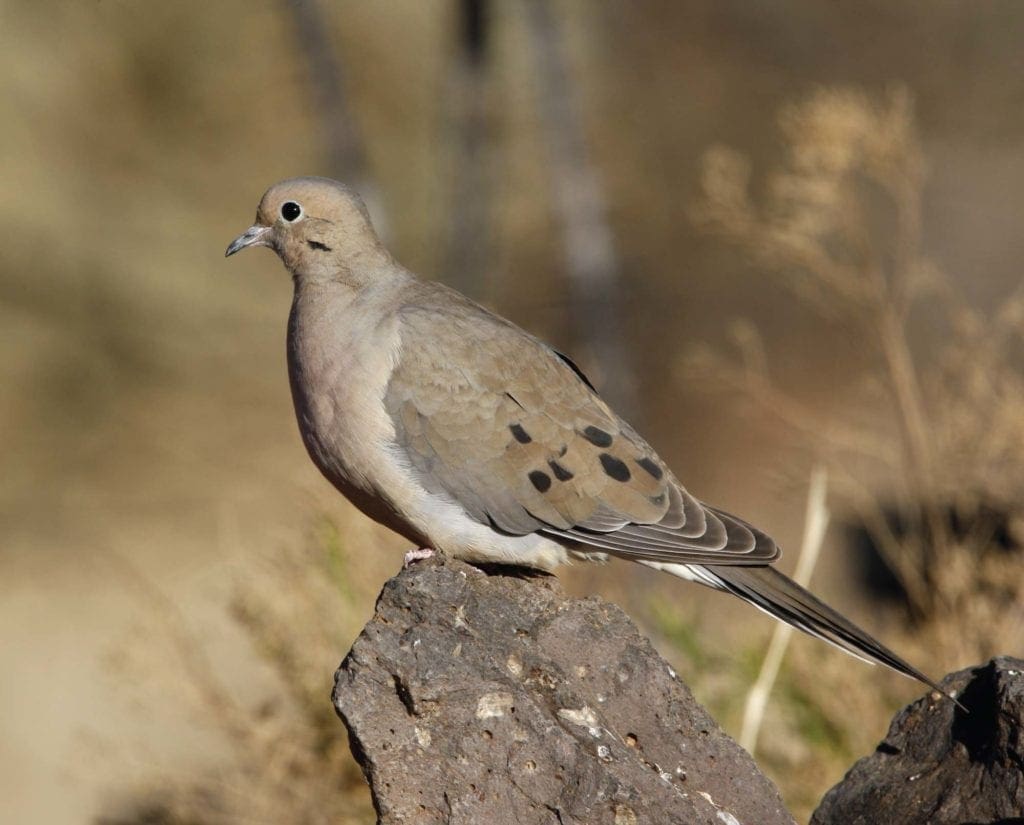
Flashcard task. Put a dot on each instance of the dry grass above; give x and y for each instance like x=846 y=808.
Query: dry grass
x=288 y=758
x=839 y=227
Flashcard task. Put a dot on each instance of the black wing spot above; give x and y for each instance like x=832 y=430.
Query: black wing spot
x=560 y=472
x=597 y=436
x=317 y=245
x=615 y=468
x=540 y=480
x=651 y=467
x=565 y=359
x=520 y=434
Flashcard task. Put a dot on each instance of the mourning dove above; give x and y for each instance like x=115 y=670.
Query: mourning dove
x=468 y=435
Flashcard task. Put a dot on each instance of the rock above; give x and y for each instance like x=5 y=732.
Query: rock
x=491 y=697
x=939 y=765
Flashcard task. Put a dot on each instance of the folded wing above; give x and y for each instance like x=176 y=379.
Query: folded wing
x=510 y=430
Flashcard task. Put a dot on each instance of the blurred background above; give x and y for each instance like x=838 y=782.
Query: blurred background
x=778 y=236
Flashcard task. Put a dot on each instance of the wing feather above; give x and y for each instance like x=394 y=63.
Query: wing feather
x=522 y=442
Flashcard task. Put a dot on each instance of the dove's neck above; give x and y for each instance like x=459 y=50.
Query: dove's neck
x=343 y=308
x=357 y=269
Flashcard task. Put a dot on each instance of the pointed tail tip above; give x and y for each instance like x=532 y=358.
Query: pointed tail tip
x=778 y=595
x=936 y=688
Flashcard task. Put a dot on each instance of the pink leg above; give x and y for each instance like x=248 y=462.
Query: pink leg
x=417 y=554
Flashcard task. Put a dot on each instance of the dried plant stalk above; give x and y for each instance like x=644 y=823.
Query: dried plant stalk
x=957 y=446
x=815 y=525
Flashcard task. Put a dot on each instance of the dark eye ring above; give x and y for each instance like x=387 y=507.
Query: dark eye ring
x=291 y=211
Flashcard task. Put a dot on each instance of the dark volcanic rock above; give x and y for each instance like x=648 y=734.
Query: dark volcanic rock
x=939 y=765
x=490 y=697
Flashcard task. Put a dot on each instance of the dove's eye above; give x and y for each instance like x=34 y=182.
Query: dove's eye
x=291 y=211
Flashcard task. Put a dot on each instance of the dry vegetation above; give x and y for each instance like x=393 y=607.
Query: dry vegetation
x=957 y=443
x=938 y=490
x=289 y=759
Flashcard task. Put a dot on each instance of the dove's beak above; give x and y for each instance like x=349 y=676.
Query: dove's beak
x=253 y=236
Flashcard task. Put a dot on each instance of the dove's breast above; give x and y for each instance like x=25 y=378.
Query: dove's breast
x=340 y=358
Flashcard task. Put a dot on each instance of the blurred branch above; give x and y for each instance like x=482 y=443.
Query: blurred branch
x=346 y=155
x=591 y=259
x=466 y=102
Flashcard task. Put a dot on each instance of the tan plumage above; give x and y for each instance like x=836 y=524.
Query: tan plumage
x=468 y=435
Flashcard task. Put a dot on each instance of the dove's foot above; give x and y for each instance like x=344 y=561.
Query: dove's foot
x=417 y=554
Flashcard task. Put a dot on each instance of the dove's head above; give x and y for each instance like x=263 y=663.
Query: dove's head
x=316 y=225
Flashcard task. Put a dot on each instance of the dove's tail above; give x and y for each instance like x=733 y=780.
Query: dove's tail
x=781 y=597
